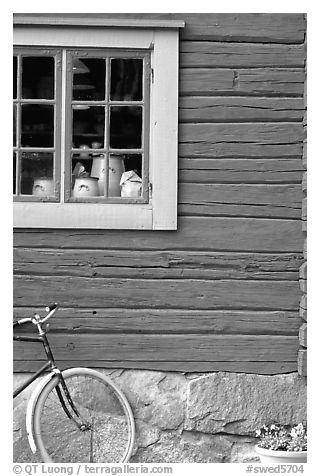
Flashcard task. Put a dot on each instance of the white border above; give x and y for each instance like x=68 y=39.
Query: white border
x=161 y=212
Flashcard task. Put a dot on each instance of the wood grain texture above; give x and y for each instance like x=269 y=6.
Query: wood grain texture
x=260 y=27
x=222 y=292
x=238 y=170
x=156 y=264
x=237 y=82
x=156 y=293
x=245 y=109
x=150 y=347
x=204 y=54
x=245 y=27
x=281 y=201
x=264 y=368
x=240 y=140
x=194 y=233
x=169 y=321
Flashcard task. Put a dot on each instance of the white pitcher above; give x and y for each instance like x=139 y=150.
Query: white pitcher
x=43 y=187
x=116 y=169
x=85 y=187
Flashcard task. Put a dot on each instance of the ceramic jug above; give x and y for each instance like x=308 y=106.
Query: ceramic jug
x=85 y=187
x=116 y=169
x=43 y=187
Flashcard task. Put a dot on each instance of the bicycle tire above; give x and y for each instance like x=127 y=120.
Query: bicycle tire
x=111 y=436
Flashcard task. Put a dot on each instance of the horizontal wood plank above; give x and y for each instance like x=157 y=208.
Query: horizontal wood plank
x=264 y=368
x=118 y=347
x=210 y=170
x=169 y=321
x=247 y=27
x=281 y=201
x=241 y=81
x=156 y=264
x=246 y=109
x=260 y=27
x=203 y=54
x=240 y=140
x=156 y=293
x=194 y=233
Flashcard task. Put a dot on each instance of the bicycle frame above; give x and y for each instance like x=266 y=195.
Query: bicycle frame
x=49 y=365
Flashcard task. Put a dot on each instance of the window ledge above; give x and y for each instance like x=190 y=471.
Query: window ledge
x=87 y=215
x=55 y=20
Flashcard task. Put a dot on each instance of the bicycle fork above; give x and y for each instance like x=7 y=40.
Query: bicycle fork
x=83 y=426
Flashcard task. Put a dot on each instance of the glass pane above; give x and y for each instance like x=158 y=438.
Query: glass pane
x=14 y=172
x=84 y=184
x=131 y=181
x=88 y=126
x=89 y=79
x=116 y=169
x=133 y=162
x=38 y=77
x=37 y=174
x=14 y=124
x=126 y=79
x=15 y=77
x=99 y=171
x=37 y=124
x=125 y=127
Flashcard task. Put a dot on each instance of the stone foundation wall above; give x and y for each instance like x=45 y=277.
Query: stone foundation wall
x=186 y=418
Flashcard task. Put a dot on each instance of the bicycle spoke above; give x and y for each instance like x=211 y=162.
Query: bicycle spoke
x=106 y=434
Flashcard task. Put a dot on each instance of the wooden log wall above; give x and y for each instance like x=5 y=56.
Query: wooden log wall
x=221 y=292
x=302 y=355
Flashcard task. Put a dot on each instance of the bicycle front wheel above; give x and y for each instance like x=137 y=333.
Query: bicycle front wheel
x=107 y=433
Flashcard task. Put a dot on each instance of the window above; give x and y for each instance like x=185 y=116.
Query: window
x=95 y=124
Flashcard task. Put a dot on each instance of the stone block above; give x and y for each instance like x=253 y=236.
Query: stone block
x=157 y=398
x=241 y=403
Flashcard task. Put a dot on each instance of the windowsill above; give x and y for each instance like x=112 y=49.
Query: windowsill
x=89 y=215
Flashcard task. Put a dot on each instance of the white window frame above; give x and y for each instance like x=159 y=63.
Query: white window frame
x=161 y=39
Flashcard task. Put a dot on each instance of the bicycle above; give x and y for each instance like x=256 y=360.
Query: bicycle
x=76 y=415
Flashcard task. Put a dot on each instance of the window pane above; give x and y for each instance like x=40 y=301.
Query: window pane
x=131 y=182
x=115 y=169
x=133 y=162
x=37 y=124
x=94 y=166
x=125 y=127
x=126 y=79
x=89 y=77
x=38 y=78
x=15 y=77
x=99 y=171
x=37 y=174
x=83 y=185
x=88 y=126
